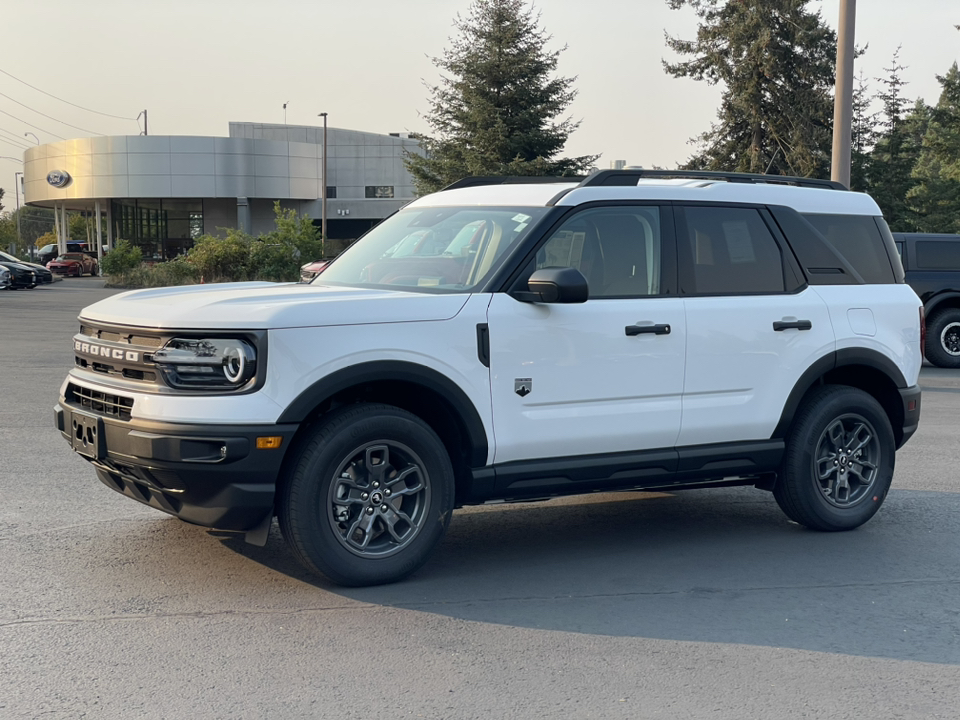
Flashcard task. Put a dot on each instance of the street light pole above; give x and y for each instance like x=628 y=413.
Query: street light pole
x=34 y=136
x=323 y=188
x=843 y=97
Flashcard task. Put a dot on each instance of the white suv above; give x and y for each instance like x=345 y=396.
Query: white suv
x=634 y=330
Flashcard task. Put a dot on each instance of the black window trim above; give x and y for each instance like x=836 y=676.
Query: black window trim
x=514 y=269
x=685 y=262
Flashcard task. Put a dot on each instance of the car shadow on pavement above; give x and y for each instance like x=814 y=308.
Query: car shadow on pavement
x=719 y=566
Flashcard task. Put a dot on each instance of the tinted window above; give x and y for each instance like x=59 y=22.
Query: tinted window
x=728 y=251
x=858 y=239
x=616 y=249
x=938 y=254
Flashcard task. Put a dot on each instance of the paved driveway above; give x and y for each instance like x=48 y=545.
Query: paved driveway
x=704 y=604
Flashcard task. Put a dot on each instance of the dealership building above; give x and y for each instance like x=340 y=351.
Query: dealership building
x=161 y=192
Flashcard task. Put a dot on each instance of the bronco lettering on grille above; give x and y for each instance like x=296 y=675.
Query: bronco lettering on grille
x=106 y=352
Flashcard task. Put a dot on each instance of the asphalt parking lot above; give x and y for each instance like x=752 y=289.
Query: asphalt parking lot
x=697 y=604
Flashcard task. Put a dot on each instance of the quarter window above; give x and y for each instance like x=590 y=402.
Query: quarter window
x=938 y=254
x=858 y=239
x=616 y=249
x=728 y=251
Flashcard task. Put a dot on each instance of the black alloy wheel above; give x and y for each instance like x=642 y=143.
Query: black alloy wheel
x=839 y=460
x=367 y=496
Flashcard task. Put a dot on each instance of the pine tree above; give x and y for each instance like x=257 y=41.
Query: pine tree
x=495 y=110
x=936 y=195
x=893 y=158
x=863 y=134
x=775 y=60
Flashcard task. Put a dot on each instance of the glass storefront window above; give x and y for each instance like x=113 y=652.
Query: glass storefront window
x=162 y=229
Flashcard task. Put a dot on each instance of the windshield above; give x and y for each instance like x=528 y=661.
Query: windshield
x=449 y=249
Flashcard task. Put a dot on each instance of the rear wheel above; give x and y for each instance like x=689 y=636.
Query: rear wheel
x=369 y=497
x=839 y=460
x=943 y=338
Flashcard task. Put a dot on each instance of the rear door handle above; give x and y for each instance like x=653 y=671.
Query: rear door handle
x=643 y=329
x=781 y=325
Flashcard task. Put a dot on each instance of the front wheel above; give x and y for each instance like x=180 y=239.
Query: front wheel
x=943 y=338
x=839 y=460
x=368 y=497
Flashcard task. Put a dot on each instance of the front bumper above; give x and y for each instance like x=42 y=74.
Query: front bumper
x=911 y=412
x=210 y=475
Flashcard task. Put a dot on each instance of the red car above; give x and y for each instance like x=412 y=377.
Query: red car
x=309 y=271
x=76 y=264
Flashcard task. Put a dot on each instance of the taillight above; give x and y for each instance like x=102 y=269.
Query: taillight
x=923 y=333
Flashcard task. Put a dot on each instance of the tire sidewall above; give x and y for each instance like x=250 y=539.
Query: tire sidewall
x=308 y=516
x=799 y=465
x=935 y=351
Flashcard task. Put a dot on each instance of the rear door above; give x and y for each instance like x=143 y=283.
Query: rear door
x=753 y=326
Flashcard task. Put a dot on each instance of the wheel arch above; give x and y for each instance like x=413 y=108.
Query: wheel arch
x=425 y=392
x=867 y=370
x=950 y=299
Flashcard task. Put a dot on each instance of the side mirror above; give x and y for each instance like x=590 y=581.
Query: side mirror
x=555 y=285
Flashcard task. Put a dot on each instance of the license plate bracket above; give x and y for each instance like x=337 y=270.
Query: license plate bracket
x=86 y=434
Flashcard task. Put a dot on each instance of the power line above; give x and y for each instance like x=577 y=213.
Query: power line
x=33 y=126
x=19 y=140
x=49 y=117
x=10 y=143
x=61 y=99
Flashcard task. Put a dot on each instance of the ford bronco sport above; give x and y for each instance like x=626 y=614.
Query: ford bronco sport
x=638 y=329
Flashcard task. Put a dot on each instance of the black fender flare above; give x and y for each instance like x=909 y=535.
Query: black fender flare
x=401 y=371
x=831 y=361
x=932 y=304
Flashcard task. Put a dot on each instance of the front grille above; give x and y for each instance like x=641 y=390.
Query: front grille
x=107 y=404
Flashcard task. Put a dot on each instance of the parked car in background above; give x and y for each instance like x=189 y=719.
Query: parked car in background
x=50 y=252
x=931 y=265
x=309 y=271
x=4 y=278
x=76 y=264
x=43 y=275
x=21 y=276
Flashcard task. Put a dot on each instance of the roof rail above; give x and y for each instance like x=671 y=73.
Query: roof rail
x=631 y=176
x=475 y=181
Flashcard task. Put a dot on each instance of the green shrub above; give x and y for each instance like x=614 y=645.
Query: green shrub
x=124 y=258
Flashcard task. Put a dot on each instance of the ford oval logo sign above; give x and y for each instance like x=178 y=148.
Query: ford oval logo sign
x=58 y=178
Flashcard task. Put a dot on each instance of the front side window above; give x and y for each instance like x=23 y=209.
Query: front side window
x=445 y=249
x=728 y=251
x=617 y=249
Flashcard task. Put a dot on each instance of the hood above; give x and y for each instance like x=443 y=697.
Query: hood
x=259 y=306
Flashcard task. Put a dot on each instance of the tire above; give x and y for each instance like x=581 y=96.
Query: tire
x=834 y=424
x=943 y=338
x=335 y=517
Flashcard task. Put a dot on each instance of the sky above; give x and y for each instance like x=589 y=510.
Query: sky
x=195 y=65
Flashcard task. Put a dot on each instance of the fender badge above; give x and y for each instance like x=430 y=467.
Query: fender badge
x=523 y=386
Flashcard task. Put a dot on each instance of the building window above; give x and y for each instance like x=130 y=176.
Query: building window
x=332 y=192
x=378 y=191
x=162 y=229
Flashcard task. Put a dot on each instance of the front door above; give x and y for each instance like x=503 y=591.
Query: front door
x=604 y=376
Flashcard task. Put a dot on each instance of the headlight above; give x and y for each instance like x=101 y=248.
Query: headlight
x=207 y=364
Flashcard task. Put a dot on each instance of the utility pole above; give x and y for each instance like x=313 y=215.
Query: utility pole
x=144 y=114
x=843 y=97
x=17 y=181
x=323 y=188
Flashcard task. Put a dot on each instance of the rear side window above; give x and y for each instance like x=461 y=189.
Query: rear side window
x=728 y=251
x=858 y=239
x=938 y=254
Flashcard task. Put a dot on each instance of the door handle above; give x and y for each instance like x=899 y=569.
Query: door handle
x=643 y=329
x=781 y=325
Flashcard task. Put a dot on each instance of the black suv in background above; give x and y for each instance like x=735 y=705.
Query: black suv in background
x=932 y=267
x=51 y=251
